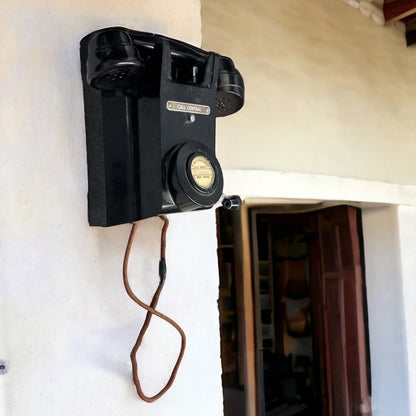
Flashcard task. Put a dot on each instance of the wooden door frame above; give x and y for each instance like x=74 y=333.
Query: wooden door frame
x=244 y=275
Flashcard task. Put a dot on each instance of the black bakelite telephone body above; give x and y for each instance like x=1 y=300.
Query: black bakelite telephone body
x=150 y=108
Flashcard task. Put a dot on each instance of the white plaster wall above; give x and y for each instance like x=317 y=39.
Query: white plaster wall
x=386 y=323
x=407 y=223
x=66 y=325
x=327 y=91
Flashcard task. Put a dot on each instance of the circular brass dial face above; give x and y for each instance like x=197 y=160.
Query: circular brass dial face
x=202 y=172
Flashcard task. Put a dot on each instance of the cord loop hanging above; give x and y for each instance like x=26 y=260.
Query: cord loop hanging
x=150 y=312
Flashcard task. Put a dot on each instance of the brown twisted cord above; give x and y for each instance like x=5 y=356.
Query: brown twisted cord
x=151 y=311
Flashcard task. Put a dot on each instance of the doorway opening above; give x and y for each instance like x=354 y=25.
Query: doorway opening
x=310 y=313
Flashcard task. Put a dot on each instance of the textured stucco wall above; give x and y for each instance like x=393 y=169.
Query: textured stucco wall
x=66 y=325
x=407 y=221
x=327 y=91
x=389 y=350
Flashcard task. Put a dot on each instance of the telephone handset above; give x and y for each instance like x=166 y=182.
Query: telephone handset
x=150 y=108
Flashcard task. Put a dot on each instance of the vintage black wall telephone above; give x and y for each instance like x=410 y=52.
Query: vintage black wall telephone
x=150 y=108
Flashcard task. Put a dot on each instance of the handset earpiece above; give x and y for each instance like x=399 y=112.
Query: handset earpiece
x=230 y=88
x=113 y=61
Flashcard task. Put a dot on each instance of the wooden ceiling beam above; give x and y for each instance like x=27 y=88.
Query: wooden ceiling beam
x=398 y=9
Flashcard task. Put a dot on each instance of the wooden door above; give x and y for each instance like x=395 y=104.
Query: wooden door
x=343 y=315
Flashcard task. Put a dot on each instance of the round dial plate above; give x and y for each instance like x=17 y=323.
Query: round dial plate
x=202 y=172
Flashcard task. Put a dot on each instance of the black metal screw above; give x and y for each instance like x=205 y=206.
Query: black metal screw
x=3 y=367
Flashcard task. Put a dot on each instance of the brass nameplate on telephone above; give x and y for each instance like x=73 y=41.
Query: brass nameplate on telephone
x=188 y=108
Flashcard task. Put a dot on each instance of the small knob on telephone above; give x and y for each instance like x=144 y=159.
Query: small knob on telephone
x=232 y=202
